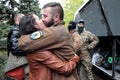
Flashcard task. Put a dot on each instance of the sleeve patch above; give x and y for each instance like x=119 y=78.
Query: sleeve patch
x=36 y=35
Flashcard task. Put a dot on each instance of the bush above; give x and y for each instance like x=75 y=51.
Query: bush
x=4 y=29
x=3 y=60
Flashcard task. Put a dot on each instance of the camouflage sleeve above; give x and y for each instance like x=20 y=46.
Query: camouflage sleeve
x=93 y=41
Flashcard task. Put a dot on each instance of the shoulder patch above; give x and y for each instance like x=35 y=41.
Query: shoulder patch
x=36 y=35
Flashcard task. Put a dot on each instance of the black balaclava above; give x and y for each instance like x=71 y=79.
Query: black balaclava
x=80 y=29
x=71 y=25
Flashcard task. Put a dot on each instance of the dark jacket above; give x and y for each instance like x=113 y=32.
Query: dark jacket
x=16 y=57
x=12 y=42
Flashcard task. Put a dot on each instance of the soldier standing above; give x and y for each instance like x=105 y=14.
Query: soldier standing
x=89 y=40
x=76 y=37
x=76 y=40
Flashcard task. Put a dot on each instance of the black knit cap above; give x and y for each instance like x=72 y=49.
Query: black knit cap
x=71 y=25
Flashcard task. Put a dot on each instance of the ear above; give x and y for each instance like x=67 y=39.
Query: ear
x=56 y=17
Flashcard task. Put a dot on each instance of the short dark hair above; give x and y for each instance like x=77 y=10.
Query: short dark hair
x=27 y=24
x=71 y=25
x=55 y=7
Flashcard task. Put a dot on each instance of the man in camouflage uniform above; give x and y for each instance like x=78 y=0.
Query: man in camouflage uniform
x=75 y=35
x=76 y=40
x=89 y=40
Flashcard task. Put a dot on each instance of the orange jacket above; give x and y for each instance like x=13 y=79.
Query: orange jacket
x=42 y=63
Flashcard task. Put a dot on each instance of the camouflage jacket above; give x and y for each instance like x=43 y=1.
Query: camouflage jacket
x=89 y=40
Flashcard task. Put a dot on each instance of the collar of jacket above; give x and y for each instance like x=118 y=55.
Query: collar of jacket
x=59 y=23
x=74 y=31
x=16 y=27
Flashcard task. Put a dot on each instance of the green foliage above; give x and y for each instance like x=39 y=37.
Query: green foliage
x=8 y=8
x=4 y=29
x=29 y=6
x=3 y=60
x=70 y=8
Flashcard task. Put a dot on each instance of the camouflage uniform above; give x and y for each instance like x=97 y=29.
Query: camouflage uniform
x=89 y=42
x=77 y=42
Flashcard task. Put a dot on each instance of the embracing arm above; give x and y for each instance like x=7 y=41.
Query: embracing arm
x=45 y=40
x=53 y=62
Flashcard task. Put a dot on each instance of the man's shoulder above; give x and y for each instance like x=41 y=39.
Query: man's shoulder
x=61 y=31
x=15 y=28
x=87 y=32
x=76 y=33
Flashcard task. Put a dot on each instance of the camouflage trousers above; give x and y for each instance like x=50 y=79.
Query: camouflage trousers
x=85 y=71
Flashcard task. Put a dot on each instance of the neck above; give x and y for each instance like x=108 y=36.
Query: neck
x=17 y=23
x=60 y=22
x=72 y=31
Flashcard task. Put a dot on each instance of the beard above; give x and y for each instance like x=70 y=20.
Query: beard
x=49 y=23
